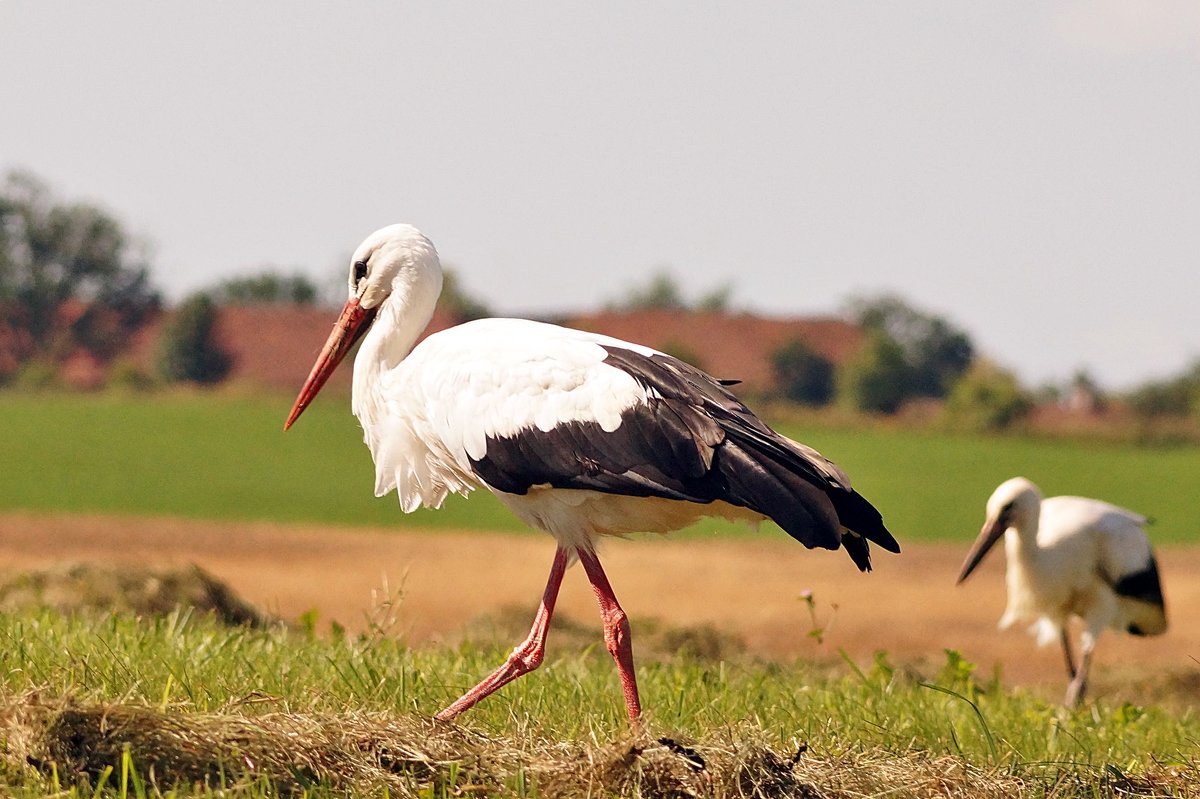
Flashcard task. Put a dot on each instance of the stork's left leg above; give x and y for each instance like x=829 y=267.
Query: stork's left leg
x=528 y=654
x=1078 y=685
x=616 y=631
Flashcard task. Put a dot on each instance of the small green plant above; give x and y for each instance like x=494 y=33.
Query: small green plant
x=817 y=629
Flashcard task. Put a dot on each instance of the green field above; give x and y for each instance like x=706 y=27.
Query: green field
x=222 y=457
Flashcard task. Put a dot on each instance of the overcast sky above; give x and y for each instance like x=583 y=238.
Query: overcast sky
x=1029 y=169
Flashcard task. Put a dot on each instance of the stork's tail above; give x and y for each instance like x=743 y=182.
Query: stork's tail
x=862 y=523
x=809 y=498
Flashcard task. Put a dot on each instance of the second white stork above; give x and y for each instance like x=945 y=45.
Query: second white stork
x=1071 y=557
x=579 y=434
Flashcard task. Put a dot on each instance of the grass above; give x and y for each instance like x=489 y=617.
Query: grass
x=217 y=456
x=274 y=711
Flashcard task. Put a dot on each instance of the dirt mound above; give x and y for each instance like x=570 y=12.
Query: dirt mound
x=86 y=587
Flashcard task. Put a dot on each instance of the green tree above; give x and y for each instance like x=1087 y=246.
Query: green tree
x=189 y=350
x=802 y=374
x=52 y=253
x=1174 y=396
x=936 y=352
x=715 y=300
x=876 y=379
x=987 y=398
x=267 y=287
x=662 y=292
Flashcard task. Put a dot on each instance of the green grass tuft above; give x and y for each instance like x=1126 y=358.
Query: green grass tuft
x=78 y=691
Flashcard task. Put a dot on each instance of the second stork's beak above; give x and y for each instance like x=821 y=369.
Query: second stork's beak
x=993 y=530
x=348 y=329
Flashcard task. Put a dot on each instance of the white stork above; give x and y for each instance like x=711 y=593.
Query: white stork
x=579 y=434
x=1071 y=556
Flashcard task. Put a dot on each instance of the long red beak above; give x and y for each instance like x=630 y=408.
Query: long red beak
x=348 y=329
x=992 y=531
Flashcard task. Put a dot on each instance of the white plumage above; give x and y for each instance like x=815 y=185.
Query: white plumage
x=581 y=435
x=1071 y=557
x=492 y=378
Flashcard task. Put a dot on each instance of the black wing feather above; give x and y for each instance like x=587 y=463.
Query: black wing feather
x=692 y=441
x=1143 y=585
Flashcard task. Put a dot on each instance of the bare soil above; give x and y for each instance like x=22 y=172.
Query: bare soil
x=908 y=607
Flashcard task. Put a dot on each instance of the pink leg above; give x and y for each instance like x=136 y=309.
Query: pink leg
x=528 y=655
x=616 y=632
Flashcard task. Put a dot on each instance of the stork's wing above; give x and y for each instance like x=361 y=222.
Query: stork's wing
x=687 y=438
x=1126 y=557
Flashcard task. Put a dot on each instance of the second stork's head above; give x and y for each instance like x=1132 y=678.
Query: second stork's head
x=1014 y=503
x=395 y=268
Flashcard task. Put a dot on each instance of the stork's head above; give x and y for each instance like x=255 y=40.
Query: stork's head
x=395 y=260
x=1015 y=503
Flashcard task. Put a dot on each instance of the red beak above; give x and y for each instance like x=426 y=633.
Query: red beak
x=993 y=531
x=348 y=329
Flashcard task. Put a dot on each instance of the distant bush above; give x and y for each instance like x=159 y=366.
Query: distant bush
x=802 y=374
x=987 y=398
x=189 y=351
x=125 y=374
x=38 y=374
x=876 y=378
x=685 y=353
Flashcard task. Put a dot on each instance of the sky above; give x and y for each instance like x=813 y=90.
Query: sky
x=1029 y=170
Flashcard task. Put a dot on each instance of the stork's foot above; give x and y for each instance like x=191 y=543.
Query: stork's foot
x=524 y=659
x=528 y=654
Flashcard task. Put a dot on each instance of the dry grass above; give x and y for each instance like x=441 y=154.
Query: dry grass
x=84 y=745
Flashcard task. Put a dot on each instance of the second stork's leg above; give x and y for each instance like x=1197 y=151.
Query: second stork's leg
x=616 y=631
x=528 y=655
x=1066 y=645
x=1078 y=685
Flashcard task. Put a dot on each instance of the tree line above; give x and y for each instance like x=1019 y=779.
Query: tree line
x=72 y=278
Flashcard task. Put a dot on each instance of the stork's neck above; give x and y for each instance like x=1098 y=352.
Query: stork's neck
x=402 y=318
x=1020 y=539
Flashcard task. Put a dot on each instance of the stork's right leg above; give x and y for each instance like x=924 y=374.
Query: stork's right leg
x=528 y=655
x=616 y=632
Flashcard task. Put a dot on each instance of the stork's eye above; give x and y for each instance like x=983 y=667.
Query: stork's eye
x=360 y=271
